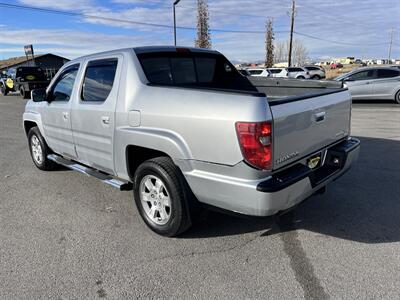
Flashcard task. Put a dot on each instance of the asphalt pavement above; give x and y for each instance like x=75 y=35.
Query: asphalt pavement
x=67 y=236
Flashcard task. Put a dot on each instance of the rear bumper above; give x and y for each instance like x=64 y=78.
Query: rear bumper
x=278 y=192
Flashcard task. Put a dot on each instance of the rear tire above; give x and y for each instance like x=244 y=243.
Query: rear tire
x=301 y=77
x=23 y=93
x=162 y=196
x=39 y=150
x=316 y=77
x=397 y=97
x=4 y=90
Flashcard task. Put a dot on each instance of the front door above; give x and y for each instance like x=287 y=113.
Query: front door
x=359 y=84
x=93 y=115
x=56 y=115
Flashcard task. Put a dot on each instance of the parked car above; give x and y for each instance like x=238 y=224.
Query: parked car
x=316 y=72
x=372 y=83
x=259 y=72
x=298 y=73
x=278 y=72
x=336 y=66
x=183 y=129
x=23 y=80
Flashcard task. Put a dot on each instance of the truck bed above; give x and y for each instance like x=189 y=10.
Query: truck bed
x=281 y=89
x=307 y=115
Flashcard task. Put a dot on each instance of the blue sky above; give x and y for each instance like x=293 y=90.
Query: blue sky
x=326 y=28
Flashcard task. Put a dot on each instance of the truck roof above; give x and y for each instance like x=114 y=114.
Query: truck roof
x=149 y=49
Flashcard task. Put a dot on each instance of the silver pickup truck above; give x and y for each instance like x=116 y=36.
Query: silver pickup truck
x=183 y=129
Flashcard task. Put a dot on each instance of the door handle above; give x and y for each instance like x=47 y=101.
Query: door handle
x=319 y=117
x=105 y=120
x=65 y=115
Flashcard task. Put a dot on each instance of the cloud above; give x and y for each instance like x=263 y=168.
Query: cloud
x=357 y=23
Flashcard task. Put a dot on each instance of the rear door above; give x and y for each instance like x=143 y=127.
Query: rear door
x=359 y=84
x=93 y=115
x=56 y=115
x=386 y=84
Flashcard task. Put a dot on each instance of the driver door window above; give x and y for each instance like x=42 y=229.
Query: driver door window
x=62 y=89
x=363 y=75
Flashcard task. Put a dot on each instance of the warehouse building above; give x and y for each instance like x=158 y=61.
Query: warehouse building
x=50 y=63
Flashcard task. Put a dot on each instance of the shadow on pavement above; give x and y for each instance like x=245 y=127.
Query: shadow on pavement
x=362 y=206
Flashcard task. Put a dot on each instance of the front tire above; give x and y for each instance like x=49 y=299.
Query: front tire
x=39 y=150
x=301 y=77
x=162 y=196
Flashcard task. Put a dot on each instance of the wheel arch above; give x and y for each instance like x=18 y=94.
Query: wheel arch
x=28 y=125
x=136 y=155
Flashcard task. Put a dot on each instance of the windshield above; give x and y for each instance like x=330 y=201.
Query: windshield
x=31 y=73
x=191 y=69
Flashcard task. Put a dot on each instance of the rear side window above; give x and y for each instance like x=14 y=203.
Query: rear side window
x=388 y=73
x=255 y=72
x=99 y=79
x=313 y=68
x=192 y=69
x=275 y=71
x=295 y=70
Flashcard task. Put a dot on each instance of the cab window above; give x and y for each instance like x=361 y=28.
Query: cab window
x=62 y=89
x=99 y=79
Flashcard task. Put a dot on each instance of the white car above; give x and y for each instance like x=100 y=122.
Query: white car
x=278 y=72
x=316 y=72
x=259 y=72
x=298 y=73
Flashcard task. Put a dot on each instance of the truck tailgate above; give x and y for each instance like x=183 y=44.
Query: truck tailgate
x=304 y=125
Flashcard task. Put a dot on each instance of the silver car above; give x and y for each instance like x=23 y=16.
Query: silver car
x=381 y=83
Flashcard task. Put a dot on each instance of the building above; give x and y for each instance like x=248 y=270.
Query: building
x=50 y=63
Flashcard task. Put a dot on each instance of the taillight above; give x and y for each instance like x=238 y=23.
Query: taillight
x=255 y=141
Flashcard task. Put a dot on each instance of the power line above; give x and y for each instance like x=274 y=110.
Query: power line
x=76 y=14
x=336 y=42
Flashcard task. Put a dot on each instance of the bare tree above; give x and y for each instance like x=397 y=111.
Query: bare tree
x=280 y=54
x=203 y=31
x=299 y=52
x=269 y=44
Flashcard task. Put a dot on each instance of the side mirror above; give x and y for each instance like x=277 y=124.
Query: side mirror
x=39 y=95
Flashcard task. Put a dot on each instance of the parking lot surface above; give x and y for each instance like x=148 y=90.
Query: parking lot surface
x=67 y=236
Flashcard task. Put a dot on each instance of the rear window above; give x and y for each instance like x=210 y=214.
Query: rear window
x=31 y=73
x=189 y=69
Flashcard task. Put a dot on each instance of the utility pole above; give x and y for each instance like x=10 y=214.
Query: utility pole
x=291 y=33
x=391 y=42
x=175 y=3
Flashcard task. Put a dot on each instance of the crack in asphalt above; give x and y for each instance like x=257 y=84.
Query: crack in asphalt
x=194 y=253
x=299 y=262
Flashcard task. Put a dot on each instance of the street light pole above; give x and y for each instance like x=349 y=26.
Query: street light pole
x=175 y=3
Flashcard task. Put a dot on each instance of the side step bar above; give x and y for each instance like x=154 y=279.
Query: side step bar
x=108 y=179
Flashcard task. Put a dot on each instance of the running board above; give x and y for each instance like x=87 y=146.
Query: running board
x=108 y=179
